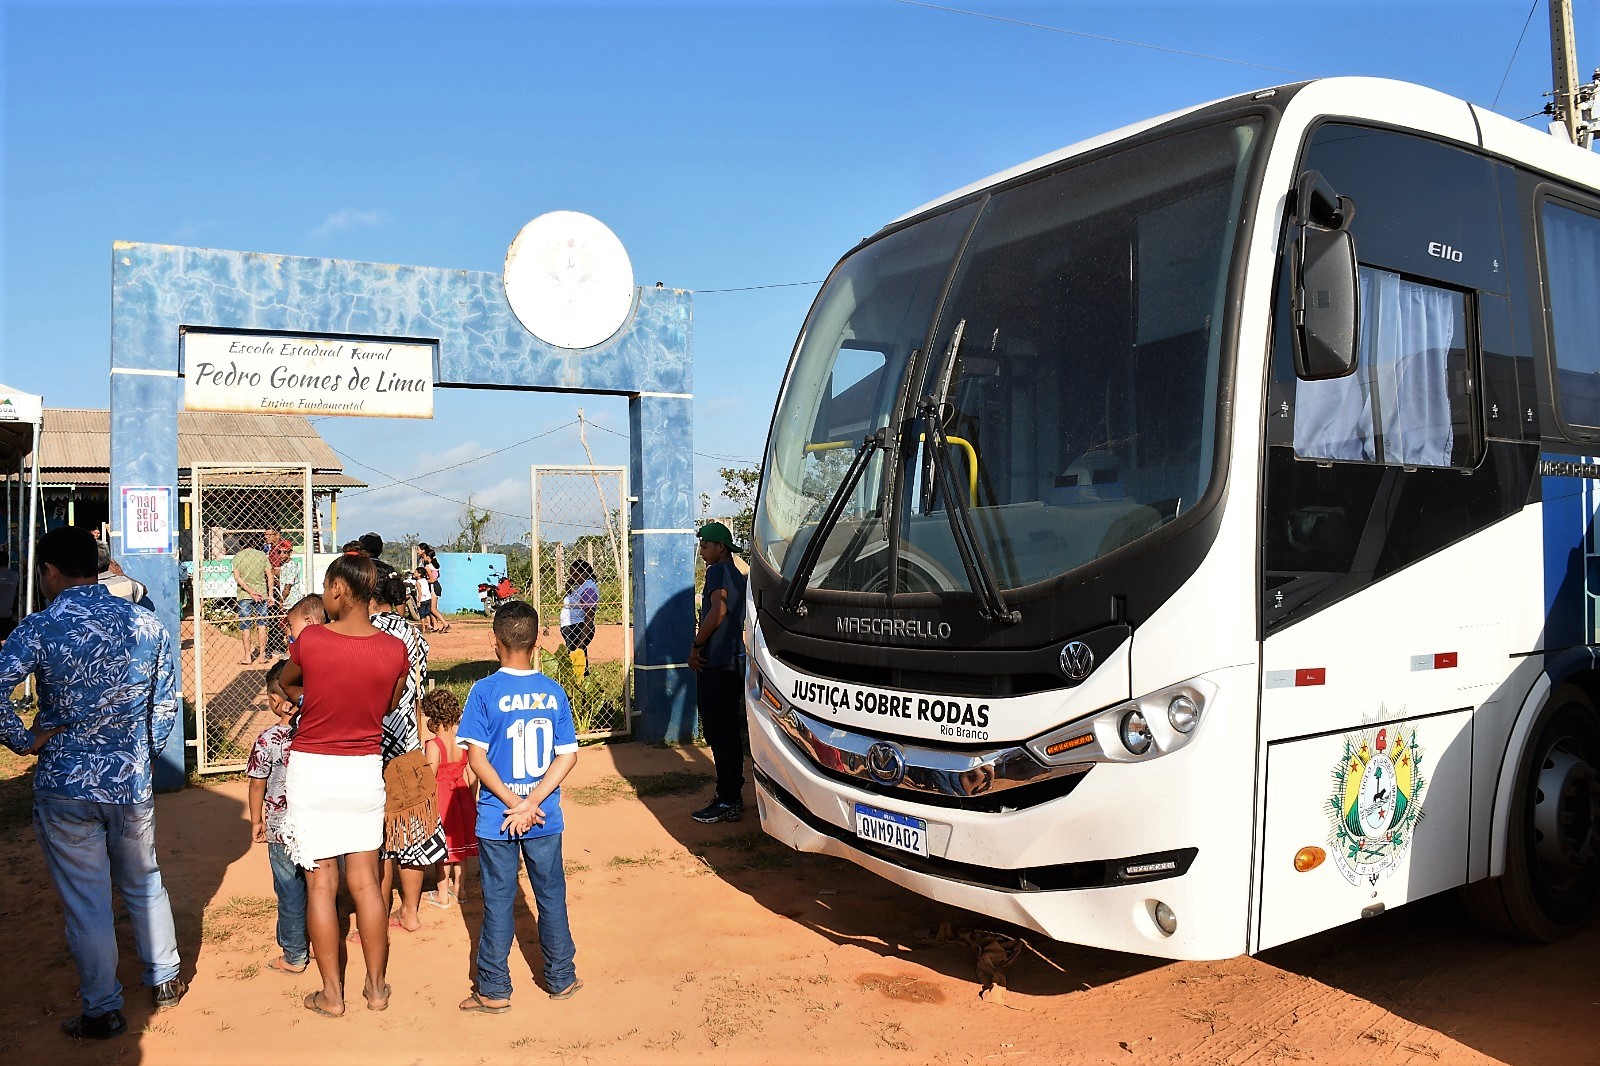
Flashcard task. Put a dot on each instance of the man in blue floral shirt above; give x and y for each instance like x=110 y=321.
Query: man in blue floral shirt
x=107 y=701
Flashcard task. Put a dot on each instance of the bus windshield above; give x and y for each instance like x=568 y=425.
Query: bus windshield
x=1071 y=357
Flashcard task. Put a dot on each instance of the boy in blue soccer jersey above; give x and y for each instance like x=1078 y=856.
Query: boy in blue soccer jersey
x=520 y=740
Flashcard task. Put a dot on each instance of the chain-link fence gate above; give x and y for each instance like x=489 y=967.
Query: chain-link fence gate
x=238 y=576
x=580 y=586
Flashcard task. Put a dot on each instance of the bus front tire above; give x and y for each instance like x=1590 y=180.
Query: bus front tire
x=1551 y=885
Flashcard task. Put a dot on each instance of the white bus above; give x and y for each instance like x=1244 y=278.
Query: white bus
x=1184 y=542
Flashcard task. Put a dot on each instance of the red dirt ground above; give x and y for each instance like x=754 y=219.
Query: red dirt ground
x=469 y=638
x=709 y=944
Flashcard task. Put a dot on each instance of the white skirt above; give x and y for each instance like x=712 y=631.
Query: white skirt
x=335 y=805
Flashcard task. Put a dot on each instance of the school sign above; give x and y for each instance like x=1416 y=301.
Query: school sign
x=303 y=375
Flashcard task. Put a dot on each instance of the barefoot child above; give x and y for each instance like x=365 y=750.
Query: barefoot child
x=519 y=735
x=267 y=768
x=457 y=803
x=414 y=836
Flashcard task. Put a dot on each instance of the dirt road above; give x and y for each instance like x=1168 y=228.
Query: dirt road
x=708 y=944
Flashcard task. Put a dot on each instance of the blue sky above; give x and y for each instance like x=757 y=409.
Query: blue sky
x=728 y=145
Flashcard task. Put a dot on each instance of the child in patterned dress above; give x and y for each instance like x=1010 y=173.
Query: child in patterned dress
x=269 y=761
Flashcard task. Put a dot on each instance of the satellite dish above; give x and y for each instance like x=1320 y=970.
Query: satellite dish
x=568 y=280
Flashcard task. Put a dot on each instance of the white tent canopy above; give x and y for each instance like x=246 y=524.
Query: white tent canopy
x=21 y=415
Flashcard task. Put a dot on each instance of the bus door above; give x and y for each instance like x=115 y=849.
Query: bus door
x=1383 y=496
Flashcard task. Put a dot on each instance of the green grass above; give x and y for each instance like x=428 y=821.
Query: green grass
x=671 y=783
x=246 y=907
x=649 y=858
x=597 y=701
x=756 y=851
x=223 y=920
x=458 y=675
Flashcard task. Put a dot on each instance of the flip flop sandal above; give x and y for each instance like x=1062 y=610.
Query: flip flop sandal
x=310 y=1003
x=280 y=965
x=568 y=992
x=431 y=898
x=478 y=1006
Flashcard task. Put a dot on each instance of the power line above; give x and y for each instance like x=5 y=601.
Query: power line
x=703 y=455
x=1099 y=37
x=752 y=288
x=1526 y=23
x=453 y=466
x=418 y=488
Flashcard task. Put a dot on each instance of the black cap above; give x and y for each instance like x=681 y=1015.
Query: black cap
x=372 y=544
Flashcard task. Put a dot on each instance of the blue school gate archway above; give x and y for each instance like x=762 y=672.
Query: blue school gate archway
x=161 y=291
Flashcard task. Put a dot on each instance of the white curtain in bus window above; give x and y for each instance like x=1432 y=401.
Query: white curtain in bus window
x=1572 y=272
x=1398 y=406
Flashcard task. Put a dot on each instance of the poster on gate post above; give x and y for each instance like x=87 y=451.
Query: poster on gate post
x=146 y=519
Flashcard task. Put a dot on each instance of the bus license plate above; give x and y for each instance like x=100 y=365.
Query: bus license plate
x=894 y=830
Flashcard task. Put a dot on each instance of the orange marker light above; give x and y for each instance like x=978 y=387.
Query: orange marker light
x=1067 y=745
x=1308 y=859
x=771 y=698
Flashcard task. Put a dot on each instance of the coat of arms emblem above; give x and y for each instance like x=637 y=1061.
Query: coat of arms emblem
x=1376 y=802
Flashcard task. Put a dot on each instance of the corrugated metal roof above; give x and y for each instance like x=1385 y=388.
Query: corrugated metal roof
x=59 y=478
x=75 y=445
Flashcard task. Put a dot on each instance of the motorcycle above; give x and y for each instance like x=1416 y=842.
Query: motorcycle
x=494 y=592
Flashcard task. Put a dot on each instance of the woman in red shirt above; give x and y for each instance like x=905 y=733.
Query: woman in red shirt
x=347 y=675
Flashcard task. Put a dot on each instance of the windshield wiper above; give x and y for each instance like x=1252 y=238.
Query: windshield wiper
x=939 y=396
x=794 y=596
x=980 y=575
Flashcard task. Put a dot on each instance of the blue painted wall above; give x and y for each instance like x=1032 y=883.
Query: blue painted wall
x=157 y=290
x=459 y=574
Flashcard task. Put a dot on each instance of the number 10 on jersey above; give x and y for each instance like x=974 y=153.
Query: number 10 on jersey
x=533 y=745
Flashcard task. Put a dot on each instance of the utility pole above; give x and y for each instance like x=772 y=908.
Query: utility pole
x=1574 y=104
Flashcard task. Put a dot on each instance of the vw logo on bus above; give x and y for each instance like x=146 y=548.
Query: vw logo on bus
x=886 y=764
x=1077 y=659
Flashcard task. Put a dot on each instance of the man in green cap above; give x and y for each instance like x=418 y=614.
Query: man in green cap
x=716 y=659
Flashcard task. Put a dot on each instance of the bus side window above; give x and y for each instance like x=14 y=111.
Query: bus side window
x=1571 y=240
x=1409 y=401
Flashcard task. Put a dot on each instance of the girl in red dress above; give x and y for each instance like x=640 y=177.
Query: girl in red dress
x=458 y=800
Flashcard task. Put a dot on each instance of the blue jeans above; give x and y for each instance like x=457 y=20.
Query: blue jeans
x=88 y=846
x=497 y=873
x=289 y=883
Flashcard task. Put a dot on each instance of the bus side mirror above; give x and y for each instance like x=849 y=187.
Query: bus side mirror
x=1327 y=304
x=1327 y=296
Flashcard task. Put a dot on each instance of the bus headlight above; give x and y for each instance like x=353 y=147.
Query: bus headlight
x=1155 y=724
x=1183 y=713
x=1135 y=733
